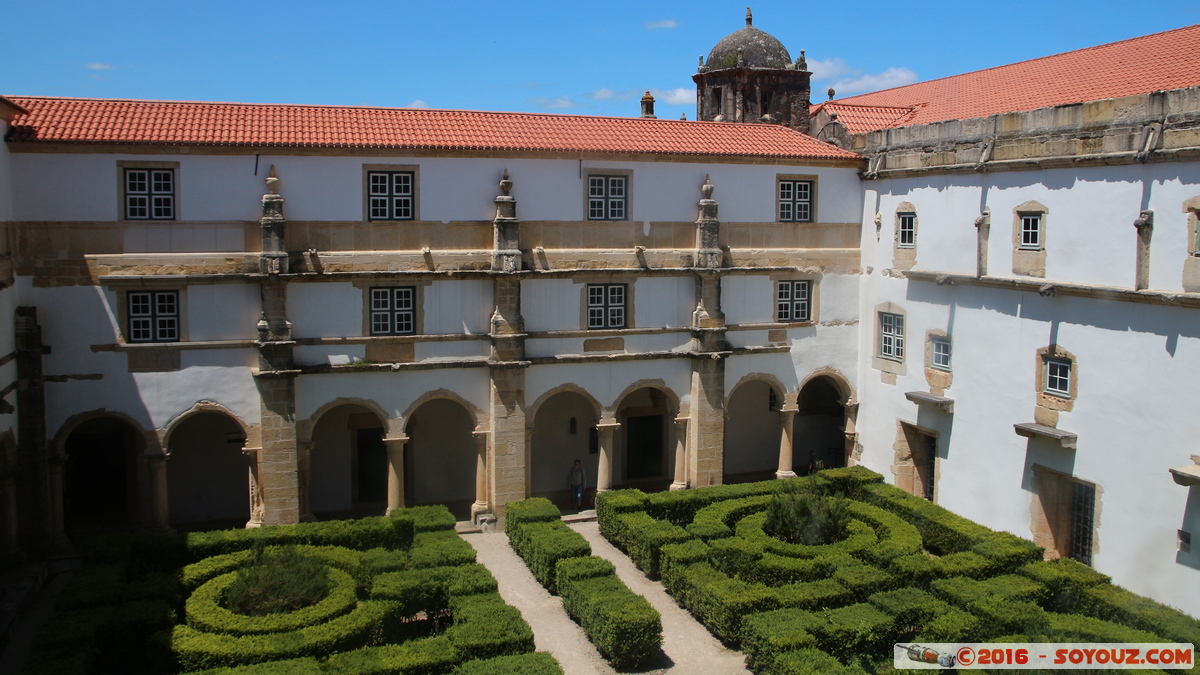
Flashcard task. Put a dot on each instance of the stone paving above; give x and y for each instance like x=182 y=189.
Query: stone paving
x=687 y=646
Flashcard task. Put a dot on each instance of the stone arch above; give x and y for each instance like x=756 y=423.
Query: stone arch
x=74 y=421
x=343 y=459
x=752 y=428
x=563 y=426
x=304 y=428
x=441 y=455
x=656 y=383
x=647 y=443
x=208 y=471
x=102 y=477
x=823 y=432
x=249 y=433
x=477 y=416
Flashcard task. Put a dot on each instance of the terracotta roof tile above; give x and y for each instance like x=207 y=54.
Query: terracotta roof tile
x=74 y=120
x=863 y=118
x=1169 y=60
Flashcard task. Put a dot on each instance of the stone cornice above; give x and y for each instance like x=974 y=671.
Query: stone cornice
x=1054 y=288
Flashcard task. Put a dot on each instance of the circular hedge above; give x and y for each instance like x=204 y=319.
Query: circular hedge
x=205 y=613
x=859 y=537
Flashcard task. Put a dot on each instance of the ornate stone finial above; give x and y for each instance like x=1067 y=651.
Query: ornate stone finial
x=831 y=93
x=700 y=68
x=832 y=117
x=505 y=184
x=648 y=106
x=707 y=188
x=749 y=17
x=1144 y=220
x=682 y=117
x=272 y=182
x=802 y=62
x=741 y=62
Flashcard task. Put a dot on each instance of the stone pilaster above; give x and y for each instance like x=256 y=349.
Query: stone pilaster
x=39 y=493
x=708 y=230
x=983 y=227
x=506 y=254
x=1145 y=228
x=787 y=422
x=274 y=257
x=706 y=432
x=304 y=479
x=482 y=503
x=508 y=435
x=395 y=482
x=160 y=515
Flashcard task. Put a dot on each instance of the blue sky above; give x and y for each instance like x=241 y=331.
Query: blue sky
x=565 y=57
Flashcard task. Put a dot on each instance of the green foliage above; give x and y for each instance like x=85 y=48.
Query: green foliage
x=622 y=625
x=850 y=631
x=680 y=506
x=767 y=635
x=674 y=559
x=643 y=537
x=810 y=662
x=955 y=625
x=1105 y=601
x=141 y=552
x=1075 y=628
x=863 y=580
x=277 y=581
x=615 y=502
x=918 y=568
x=820 y=594
x=848 y=481
x=942 y=531
x=1006 y=551
x=196 y=650
x=722 y=603
x=200 y=572
x=205 y=613
x=78 y=661
x=801 y=517
x=775 y=570
x=542 y=544
x=1065 y=579
x=734 y=554
x=965 y=564
x=440 y=548
x=304 y=666
x=432 y=518
x=895 y=537
x=909 y=606
x=534 y=663
x=713 y=521
x=485 y=627
x=569 y=570
x=360 y=535
x=429 y=590
x=430 y=656
x=1001 y=616
x=108 y=584
x=535 y=510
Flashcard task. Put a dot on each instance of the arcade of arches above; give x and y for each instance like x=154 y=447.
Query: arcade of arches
x=353 y=461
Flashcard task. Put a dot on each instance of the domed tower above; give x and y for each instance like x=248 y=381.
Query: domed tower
x=750 y=77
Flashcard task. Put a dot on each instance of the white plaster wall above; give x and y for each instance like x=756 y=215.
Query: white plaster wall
x=6 y=177
x=778 y=364
x=332 y=355
x=393 y=392
x=333 y=309
x=458 y=306
x=634 y=344
x=747 y=298
x=223 y=311
x=551 y=304
x=664 y=302
x=605 y=381
x=815 y=348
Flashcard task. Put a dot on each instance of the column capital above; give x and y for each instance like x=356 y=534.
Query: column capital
x=157 y=457
x=395 y=440
x=786 y=410
x=608 y=426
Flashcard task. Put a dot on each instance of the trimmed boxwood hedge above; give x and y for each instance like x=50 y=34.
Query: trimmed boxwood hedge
x=535 y=510
x=767 y=635
x=429 y=656
x=622 y=625
x=534 y=663
x=485 y=627
x=366 y=533
x=642 y=537
x=431 y=518
x=712 y=521
x=441 y=548
x=205 y=613
x=303 y=666
x=810 y=662
x=615 y=502
x=542 y=544
x=1113 y=603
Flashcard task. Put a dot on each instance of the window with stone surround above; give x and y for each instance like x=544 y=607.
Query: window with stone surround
x=1064 y=515
x=391 y=195
x=939 y=353
x=607 y=197
x=1058 y=377
x=149 y=190
x=795 y=199
x=393 y=310
x=153 y=316
x=1030 y=221
x=606 y=306
x=907 y=236
x=793 y=301
x=1031 y=231
x=891 y=336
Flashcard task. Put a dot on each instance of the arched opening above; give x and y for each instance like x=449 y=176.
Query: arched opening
x=100 y=476
x=207 y=474
x=643 y=448
x=566 y=431
x=818 y=437
x=752 y=429
x=439 y=461
x=348 y=463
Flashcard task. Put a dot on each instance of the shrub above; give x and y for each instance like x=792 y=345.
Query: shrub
x=721 y=603
x=622 y=625
x=848 y=481
x=615 y=502
x=800 y=517
x=205 y=613
x=433 y=518
x=207 y=569
x=859 y=538
x=1064 y=579
x=569 y=570
x=128 y=640
x=643 y=537
x=78 y=661
x=954 y=625
x=485 y=627
x=680 y=507
x=196 y=650
x=712 y=521
x=675 y=558
x=768 y=634
x=734 y=554
x=277 y=581
x=534 y=663
x=440 y=548
x=380 y=560
x=305 y=666
x=542 y=544
x=776 y=570
x=966 y=564
x=895 y=536
x=1006 y=551
x=535 y=510
x=428 y=656
x=909 y=606
x=814 y=595
x=863 y=580
x=942 y=531
x=361 y=535
x=845 y=632
x=1105 y=601
x=918 y=569
x=811 y=661
x=1075 y=628
x=1001 y=616
x=414 y=592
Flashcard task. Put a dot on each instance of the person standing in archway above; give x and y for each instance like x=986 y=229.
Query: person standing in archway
x=576 y=481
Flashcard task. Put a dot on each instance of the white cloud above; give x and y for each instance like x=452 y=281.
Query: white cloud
x=605 y=94
x=679 y=96
x=892 y=77
x=665 y=23
x=555 y=103
x=830 y=68
x=99 y=66
x=417 y=104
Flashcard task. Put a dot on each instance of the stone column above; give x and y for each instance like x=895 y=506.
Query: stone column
x=481 y=504
x=708 y=229
x=604 y=471
x=706 y=432
x=787 y=420
x=1145 y=228
x=983 y=226
x=254 y=482
x=395 y=485
x=160 y=515
x=304 y=479
x=680 y=454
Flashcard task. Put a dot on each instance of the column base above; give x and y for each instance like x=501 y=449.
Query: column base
x=478 y=508
x=677 y=486
x=780 y=475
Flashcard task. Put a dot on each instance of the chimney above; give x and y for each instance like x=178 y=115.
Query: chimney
x=648 y=107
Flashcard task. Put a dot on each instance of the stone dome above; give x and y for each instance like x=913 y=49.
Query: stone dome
x=759 y=50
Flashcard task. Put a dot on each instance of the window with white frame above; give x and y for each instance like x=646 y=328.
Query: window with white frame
x=149 y=194
x=390 y=195
x=607 y=197
x=795 y=201
x=792 y=300
x=153 y=316
x=1058 y=378
x=939 y=357
x=606 y=306
x=891 y=336
x=907 y=236
x=1031 y=231
x=393 y=310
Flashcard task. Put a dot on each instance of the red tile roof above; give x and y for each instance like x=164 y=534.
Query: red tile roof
x=863 y=118
x=1169 y=60
x=74 y=120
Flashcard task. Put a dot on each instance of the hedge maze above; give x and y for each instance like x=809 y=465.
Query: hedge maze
x=404 y=595
x=622 y=625
x=903 y=570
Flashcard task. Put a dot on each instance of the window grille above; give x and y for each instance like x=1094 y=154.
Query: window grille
x=393 y=311
x=792 y=300
x=607 y=197
x=606 y=306
x=153 y=316
x=940 y=357
x=795 y=201
x=1058 y=378
x=390 y=195
x=908 y=230
x=1083 y=520
x=891 y=336
x=1031 y=231
x=150 y=194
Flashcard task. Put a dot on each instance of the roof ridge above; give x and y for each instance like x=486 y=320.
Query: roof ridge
x=1017 y=63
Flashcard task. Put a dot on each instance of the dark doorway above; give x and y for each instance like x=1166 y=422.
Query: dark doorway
x=818 y=437
x=644 y=446
x=372 y=466
x=100 y=474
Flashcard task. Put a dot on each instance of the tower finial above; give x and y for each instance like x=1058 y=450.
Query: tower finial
x=749 y=17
